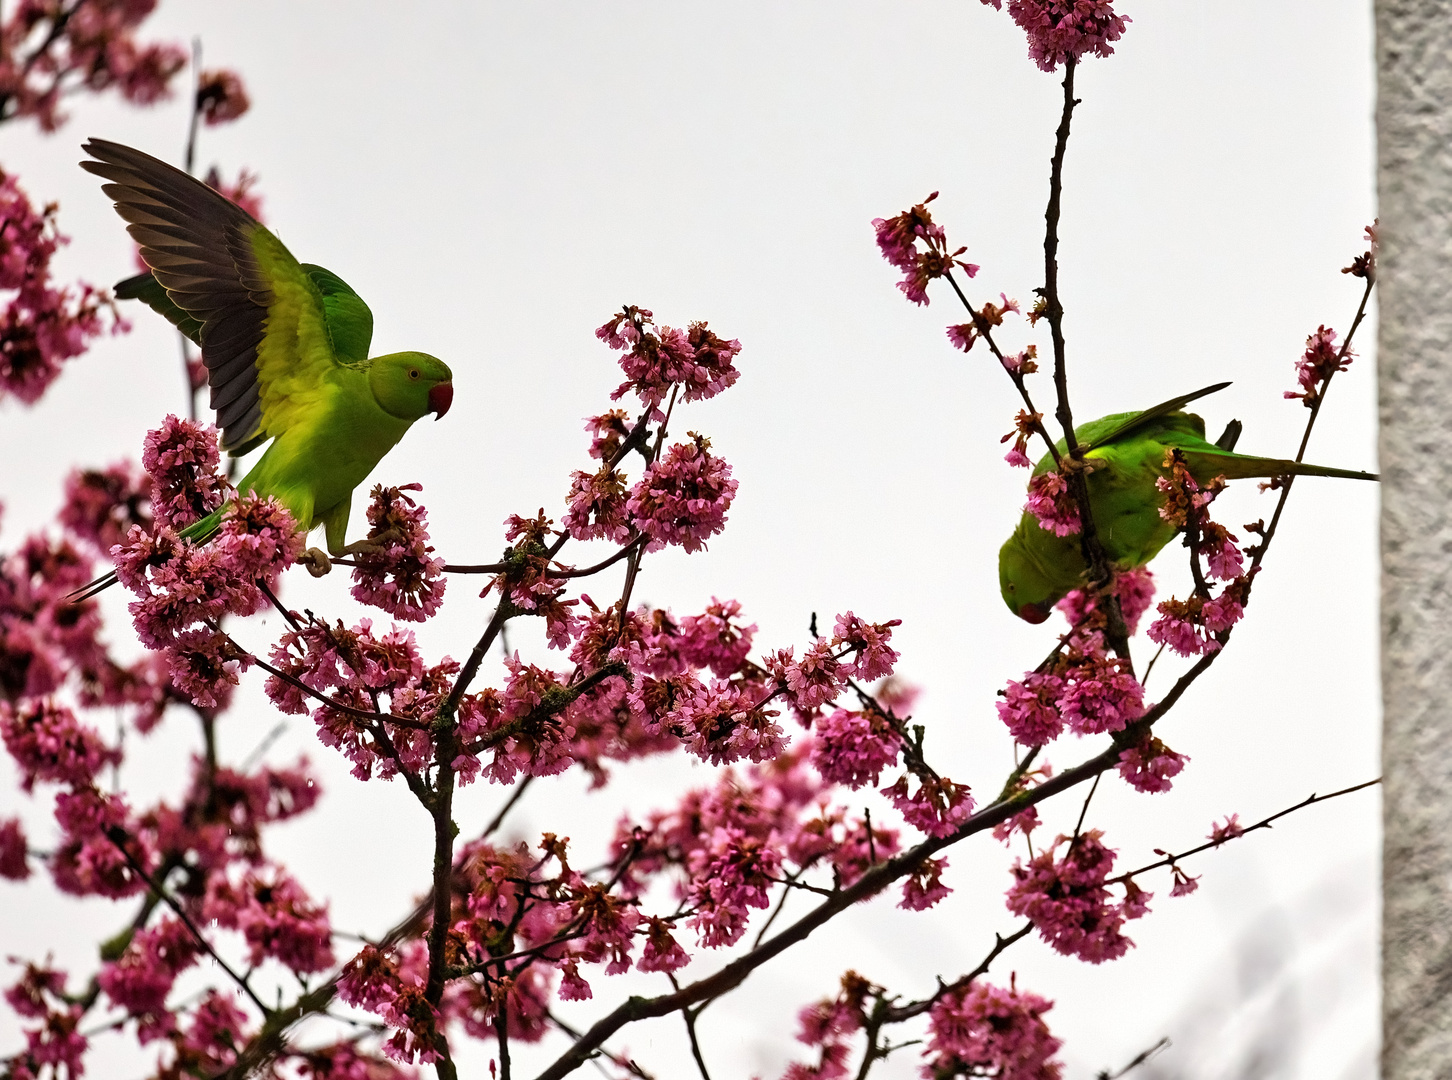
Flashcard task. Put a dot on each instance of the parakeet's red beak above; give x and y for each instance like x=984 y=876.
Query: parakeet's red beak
x=1033 y=613
x=440 y=398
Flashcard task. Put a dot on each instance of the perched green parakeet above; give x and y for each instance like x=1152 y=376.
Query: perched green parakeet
x=1037 y=568
x=285 y=343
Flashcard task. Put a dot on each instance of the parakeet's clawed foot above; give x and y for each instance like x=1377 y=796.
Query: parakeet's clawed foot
x=316 y=560
x=370 y=544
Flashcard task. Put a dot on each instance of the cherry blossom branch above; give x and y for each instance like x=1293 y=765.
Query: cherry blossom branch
x=884 y=1012
x=1270 y=531
x=1264 y=823
x=896 y=1014
x=499 y=568
x=118 y=838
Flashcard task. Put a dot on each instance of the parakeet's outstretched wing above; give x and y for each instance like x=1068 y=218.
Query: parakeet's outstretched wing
x=265 y=321
x=148 y=290
x=1138 y=421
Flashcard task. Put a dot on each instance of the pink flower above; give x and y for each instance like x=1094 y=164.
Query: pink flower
x=141 y=979
x=89 y=861
x=102 y=504
x=369 y=980
x=814 y=681
x=1228 y=829
x=276 y=918
x=874 y=658
x=683 y=497
x=1149 y=766
x=1184 y=884
x=937 y=808
x=1051 y=503
x=724 y=723
x=205 y=665
x=1060 y=30
x=853 y=748
x=1067 y=899
x=221 y=96
x=897 y=239
x=48 y=744
x=1135 y=588
x=985 y=1030
x=659 y=357
x=732 y=874
x=41 y=325
x=1030 y=708
x=595 y=507
x=13 y=864
x=241 y=191
x=399 y=573
x=1317 y=364
x=1100 y=695
x=662 y=952
x=1223 y=558
x=924 y=886
x=181 y=458
x=713 y=640
x=608 y=432
x=1025 y=822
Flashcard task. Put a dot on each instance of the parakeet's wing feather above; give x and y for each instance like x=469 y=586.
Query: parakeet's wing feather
x=1139 y=421
x=264 y=330
x=148 y=290
x=350 y=323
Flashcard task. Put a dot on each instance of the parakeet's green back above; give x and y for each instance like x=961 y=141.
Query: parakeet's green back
x=1126 y=453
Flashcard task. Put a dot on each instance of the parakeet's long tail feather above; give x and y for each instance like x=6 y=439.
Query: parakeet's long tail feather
x=201 y=531
x=1205 y=465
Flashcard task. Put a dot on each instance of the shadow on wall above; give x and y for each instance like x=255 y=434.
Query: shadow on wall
x=1295 y=998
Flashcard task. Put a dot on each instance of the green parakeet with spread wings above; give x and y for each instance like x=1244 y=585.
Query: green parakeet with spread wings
x=1037 y=568
x=285 y=343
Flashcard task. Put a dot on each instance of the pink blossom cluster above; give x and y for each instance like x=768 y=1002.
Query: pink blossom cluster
x=221 y=96
x=1068 y=901
x=344 y=676
x=1317 y=364
x=829 y=1025
x=1052 y=503
x=1089 y=693
x=898 y=238
x=659 y=358
x=101 y=505
x=1150 y=765
x=1025 y=426
x=1065 y=30
x=963 y=335
x=51 y=51
x=41 y=324
x=52 y=1043
x=985 y=1030
x=683 y=497
x=396 y=570
x=181 y=459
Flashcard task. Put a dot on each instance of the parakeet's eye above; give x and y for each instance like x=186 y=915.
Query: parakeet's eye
x=413 y=373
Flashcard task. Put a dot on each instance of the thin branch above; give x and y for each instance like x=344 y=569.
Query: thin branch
x=499 y=568
x=1139 y=1059
x=1264 y=823
x=118 y=838
x=899 y=1013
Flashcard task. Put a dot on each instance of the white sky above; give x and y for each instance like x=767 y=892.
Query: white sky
x=497 y=179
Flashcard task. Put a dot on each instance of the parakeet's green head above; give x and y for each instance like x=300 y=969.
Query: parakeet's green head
x=410 y=385
x=1026 y=589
